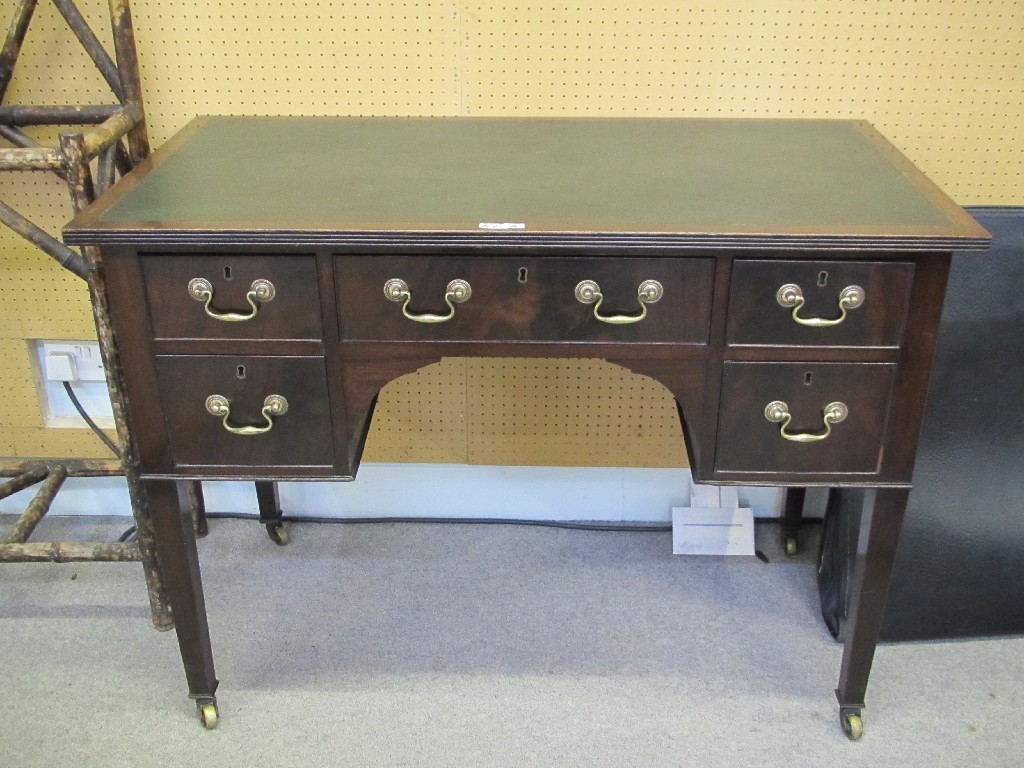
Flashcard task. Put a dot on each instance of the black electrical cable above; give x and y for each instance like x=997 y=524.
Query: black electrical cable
x=631 y=527
x=594 y=526
x=131 y=533
x=88 y=420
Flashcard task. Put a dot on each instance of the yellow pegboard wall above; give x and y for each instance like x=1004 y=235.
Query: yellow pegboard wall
x=422 y=417
x=39 y=299
x=569 y=413
x=943 y=79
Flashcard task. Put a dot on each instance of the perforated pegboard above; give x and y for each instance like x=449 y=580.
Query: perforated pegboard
x=422 y=417
x=943 y=79
x=569 y=412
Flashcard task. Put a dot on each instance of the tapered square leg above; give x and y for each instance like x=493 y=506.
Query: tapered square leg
x=174 y=531
x=792 y=517
x=269 y=503
x=881 y=522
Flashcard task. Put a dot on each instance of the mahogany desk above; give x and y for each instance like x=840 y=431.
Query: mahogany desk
x=783 y=279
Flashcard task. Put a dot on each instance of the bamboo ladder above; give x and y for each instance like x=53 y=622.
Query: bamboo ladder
x=114 y=138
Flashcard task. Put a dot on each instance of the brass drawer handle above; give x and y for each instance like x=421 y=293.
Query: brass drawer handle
x=833 y=413
x=457 y=292
x=200 y=289
x=790 y=295
x=589 y=292
x=273 y=406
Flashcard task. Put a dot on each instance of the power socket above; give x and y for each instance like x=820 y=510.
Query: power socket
x=72 y=361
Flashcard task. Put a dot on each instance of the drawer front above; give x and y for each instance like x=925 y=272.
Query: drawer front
x=235 y=287
x=756 y=315
x=524 y=299
x=301 y=436
x=750 y=442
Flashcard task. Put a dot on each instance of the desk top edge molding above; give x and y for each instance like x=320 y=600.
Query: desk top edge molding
x=952 y=227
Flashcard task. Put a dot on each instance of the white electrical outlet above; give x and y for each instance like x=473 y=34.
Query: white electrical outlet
x=71 y=361
x=78 y=365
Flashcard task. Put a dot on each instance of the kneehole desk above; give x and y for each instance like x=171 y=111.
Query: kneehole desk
x=782 y=279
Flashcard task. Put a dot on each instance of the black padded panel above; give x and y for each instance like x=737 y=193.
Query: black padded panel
x=960 y=567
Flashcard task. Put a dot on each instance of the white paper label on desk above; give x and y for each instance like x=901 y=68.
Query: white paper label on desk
x=502 y=225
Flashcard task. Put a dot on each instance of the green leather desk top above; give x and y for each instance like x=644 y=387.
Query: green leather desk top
x=677 y=181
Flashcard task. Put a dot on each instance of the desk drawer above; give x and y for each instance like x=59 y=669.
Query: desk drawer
x=523 y=299
x=756 y=315
x=236 y=286
x=298 y=436
x=749 y=442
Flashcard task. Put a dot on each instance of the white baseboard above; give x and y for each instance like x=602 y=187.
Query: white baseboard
x=439 y=490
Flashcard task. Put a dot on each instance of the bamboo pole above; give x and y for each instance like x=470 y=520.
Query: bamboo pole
x=12 y=45
x=69 y=552
x=22 y=481
x=18 y=138
x=38 y=507
x=82 y=193
x=72 y=160
x=43 y=240
x=128 y=66
x=159 y=606
x=30 y=114
x=107 y=133
x=197 y=505
x=124 y=161
x=74 y=467
x=106 y=169
x=76 y=166
x=92 y=46
x=29 y=159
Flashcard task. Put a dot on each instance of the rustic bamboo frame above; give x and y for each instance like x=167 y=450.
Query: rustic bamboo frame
x=115 y=137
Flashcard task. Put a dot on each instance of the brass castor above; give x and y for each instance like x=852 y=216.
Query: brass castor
x=791 y=546
x=853 y=726
x=278 y=534
x=209 y=715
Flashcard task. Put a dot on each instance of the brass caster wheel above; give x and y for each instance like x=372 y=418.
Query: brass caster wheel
x=853 y=726
x=791 y=546
x=278 y=534
x=209 y=716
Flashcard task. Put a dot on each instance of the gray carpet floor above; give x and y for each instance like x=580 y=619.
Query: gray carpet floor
x=471 y=645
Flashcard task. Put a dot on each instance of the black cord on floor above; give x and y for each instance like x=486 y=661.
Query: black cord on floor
x=618 y=527
x=636 y=527
x=88 y=420
x=130 y=534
